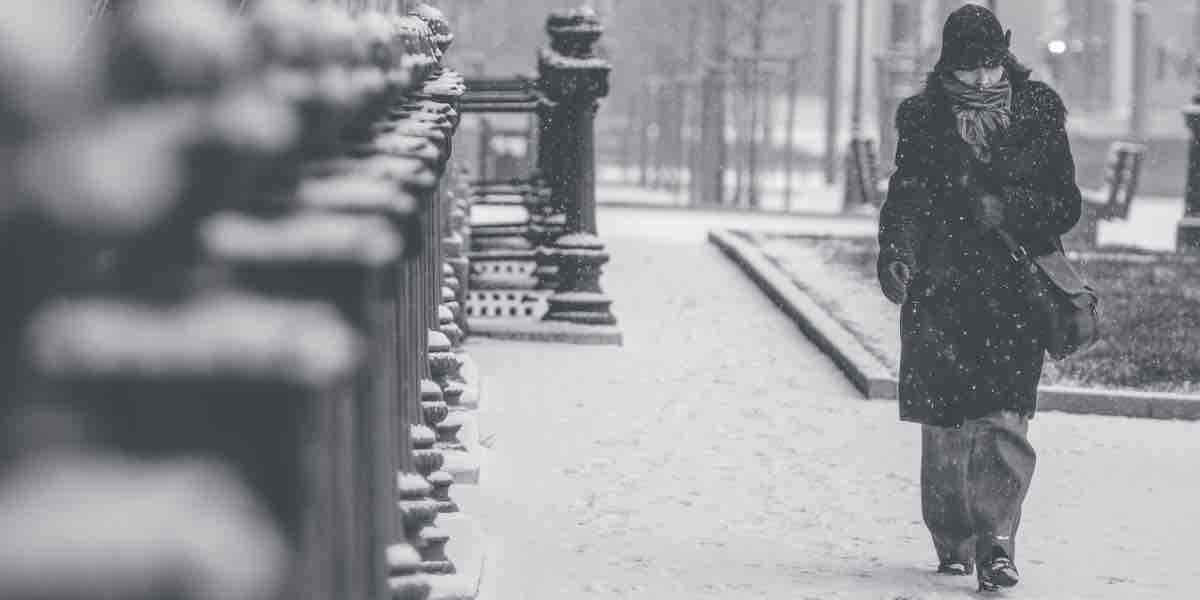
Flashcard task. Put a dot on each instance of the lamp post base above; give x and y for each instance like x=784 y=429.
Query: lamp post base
x=579 y=298
x=1188 y=238
x=1188 y=234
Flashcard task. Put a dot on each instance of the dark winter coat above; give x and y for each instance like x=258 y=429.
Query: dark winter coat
x=970 y=344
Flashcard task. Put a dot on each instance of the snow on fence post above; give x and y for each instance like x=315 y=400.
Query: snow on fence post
x=252 y=384
x=573 y=79
x=347 y=261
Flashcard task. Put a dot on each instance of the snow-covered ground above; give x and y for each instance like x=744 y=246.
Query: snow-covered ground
x=808 y=193
x=1151 y=223
x=720 y=455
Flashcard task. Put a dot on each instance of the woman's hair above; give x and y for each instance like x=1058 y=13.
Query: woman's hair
x=1013 y=68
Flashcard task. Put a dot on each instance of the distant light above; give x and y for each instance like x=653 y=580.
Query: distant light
x=1057 y=47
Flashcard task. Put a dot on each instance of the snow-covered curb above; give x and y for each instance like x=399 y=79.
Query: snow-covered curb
x=869 y=375
x=876 y=382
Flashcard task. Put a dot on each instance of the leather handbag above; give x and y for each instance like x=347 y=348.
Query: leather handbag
x=1068 y=308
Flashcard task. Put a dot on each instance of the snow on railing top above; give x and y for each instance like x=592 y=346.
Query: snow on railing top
x=101 y=103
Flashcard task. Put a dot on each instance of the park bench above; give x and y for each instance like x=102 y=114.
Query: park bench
x=1113 y=201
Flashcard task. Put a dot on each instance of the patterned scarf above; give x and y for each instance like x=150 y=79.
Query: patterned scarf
x=981 y=112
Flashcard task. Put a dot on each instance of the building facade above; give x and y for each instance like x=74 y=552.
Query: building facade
x=1088 y=49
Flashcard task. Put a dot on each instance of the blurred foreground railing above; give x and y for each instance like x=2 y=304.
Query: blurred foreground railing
x=232 y=256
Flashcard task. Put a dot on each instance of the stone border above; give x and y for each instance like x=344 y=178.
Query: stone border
x=530 y=330
x=462 y=459
x=468 y=548
x=875 y=381
x=473 y=394
x=865 y=371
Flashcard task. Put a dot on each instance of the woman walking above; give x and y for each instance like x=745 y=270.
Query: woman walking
x=981 y=150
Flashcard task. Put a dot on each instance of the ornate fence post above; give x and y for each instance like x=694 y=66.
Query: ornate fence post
x=573 y=79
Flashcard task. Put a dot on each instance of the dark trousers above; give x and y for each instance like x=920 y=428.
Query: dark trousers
x=973 y=481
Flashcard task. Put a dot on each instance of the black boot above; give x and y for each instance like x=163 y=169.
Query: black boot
x=999 y=572
x=956 y=567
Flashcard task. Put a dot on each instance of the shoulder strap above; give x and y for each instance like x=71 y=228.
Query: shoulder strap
x=1018 y=252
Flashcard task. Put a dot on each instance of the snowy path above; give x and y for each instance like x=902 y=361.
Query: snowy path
x=719 y=455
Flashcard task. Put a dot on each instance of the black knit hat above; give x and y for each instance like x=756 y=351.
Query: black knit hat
x=971 y=38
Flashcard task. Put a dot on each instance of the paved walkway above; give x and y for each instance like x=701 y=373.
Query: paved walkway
x=719 y=455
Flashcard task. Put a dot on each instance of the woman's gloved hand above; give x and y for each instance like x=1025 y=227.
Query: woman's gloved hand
x=894 y=279
x=988 y=210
